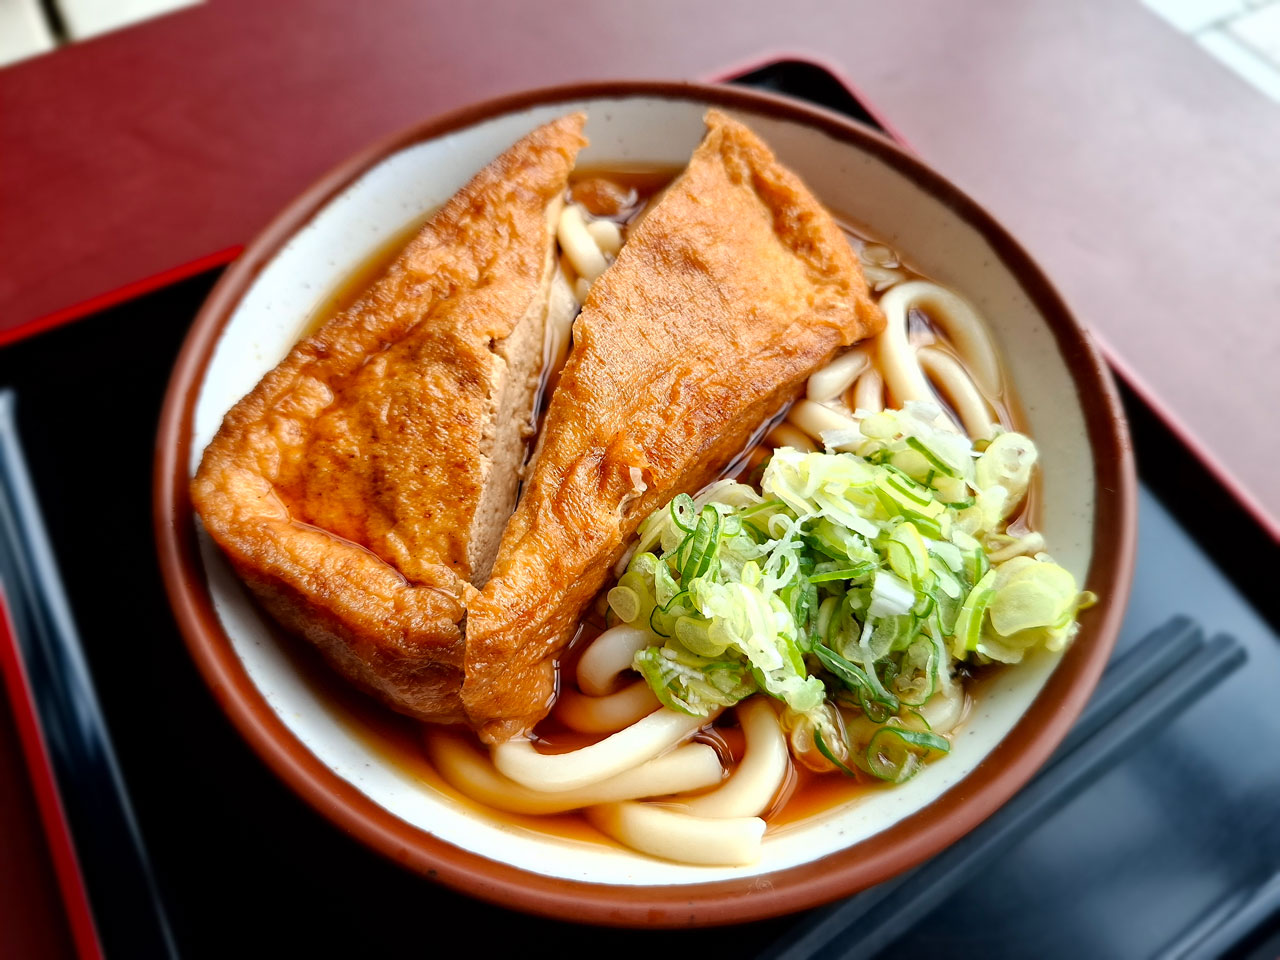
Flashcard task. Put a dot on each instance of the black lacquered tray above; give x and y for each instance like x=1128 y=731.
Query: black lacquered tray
x=1154 y=832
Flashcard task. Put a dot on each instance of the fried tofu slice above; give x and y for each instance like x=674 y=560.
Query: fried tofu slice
x=734 y=288
x=363 y=485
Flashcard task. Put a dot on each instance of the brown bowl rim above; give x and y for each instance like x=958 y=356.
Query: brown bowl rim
x=910 y=841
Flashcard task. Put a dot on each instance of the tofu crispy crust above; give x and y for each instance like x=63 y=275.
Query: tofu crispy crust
x=731 y=292
x=364 y=482
x=360 y=489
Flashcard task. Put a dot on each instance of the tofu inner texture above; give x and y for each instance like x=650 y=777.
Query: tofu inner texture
x=419 y=454
x=509 y=425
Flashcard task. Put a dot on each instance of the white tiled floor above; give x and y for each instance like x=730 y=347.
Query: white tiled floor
x=1243 y=34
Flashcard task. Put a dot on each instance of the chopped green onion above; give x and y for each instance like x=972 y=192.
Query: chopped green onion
x=851 y=579
x=896 y=754
x=683 y=512
x=625 y=602
x=831 y=757
x=934 y=461
x=856 y=572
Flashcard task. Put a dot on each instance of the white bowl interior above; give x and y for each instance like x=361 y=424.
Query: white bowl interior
x=858 y=187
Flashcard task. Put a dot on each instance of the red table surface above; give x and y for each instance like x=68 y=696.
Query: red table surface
x=1141 y=173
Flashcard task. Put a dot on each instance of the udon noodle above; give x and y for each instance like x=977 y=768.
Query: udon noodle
x=664 y=782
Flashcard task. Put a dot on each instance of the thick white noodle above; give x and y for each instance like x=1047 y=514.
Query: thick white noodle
x=838 y=375
x=868 y=392
x=662 y=832
x=785 y=435
x=638 y=743
x=553 y=211
x=578 y=244
x=608 y=656
x=897 y=358
x=692 y=767
x=607 y=714
x=814 y=418
x=562 y=310
x=1025 y=546
x=763 y=768
x=607 y=235
x=959 y=321
x=951 y=378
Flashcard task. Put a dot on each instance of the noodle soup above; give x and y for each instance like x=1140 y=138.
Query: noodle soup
x=383 y=791
x=620 y=757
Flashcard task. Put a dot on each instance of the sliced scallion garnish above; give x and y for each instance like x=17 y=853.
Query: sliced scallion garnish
x=846 y=579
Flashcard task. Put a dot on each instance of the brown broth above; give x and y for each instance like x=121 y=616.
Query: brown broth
x=399 y=739
x=348 y=290
x=643 y=181
x=807 y=794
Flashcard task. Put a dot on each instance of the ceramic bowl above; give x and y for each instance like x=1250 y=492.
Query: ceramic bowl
x=260 y=308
